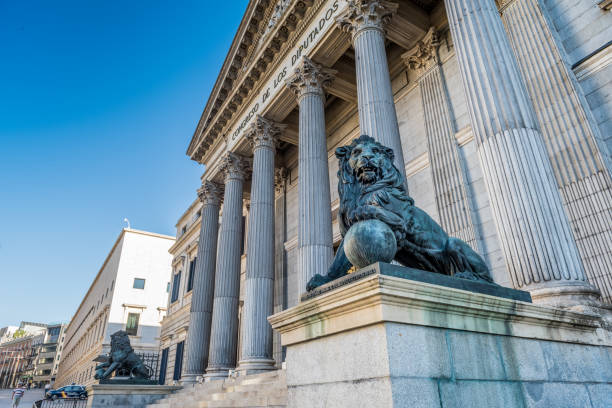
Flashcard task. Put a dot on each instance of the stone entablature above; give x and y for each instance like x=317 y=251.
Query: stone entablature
x=227 y=96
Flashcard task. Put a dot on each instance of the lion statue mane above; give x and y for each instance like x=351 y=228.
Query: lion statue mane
x=122 y=358
x=371 y=187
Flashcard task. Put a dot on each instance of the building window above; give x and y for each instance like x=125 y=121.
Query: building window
x=139 y=283
x=178 y=361
x=184 y=229
x=163 y=366
x=176 y=283
x=192 y=265
x=168 y=287
x=131 y=327
x=112 y=285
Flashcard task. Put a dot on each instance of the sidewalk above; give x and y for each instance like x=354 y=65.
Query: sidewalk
x=27 y=400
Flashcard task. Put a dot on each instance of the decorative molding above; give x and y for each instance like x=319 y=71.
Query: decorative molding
x=264 y=133
x=210 y=193
x=464 y=136
x=291 y=244
x=424 y=55
x=366 y=14
x=280 y=178
x=421 y=162
x=594 y=63
x=234 y=166
x=309 y=77
x=132 y=306
x=605 y=4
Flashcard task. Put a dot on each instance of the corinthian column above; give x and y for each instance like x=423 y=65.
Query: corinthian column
x=365 y=21
x=198 y=336
x=540 y=251
x=315 y=245
x=570 y=133
x=449 y=181
x=256 y=345
x=224 y=331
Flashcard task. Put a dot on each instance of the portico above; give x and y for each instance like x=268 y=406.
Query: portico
x=304 y=77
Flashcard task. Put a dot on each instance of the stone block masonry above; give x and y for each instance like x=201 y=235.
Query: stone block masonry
x=390 y=342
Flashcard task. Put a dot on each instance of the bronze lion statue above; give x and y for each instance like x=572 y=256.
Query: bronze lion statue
x=122 y=359
x=371 y=187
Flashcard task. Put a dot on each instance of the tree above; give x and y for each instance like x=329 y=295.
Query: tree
x=19 y=333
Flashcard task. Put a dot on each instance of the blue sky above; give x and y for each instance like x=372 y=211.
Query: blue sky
x=99 y=100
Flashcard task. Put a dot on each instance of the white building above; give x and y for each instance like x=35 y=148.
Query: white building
x=128 y=293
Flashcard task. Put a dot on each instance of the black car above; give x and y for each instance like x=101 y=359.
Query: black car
x=69 y=391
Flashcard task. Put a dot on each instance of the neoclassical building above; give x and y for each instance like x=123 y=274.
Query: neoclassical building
x=500 y=116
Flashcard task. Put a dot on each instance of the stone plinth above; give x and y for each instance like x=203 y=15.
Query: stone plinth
x=126 y=396
x=386 y=341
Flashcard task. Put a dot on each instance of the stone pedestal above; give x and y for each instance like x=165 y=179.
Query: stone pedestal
x=126 y=396
x=384 y=341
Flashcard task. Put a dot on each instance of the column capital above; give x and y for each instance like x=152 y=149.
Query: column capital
x=424 y=55
x=309 y=77
x=280 y=176
x=234 y=166
x=210 y=193
x=366 y=14
x=264 y=133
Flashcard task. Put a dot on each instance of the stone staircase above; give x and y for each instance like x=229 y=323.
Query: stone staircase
x=256 y=390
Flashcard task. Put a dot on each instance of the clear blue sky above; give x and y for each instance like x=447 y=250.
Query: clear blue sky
x=98 y=102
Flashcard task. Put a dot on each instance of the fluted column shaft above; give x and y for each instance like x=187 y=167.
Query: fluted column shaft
x=449 y=179
x=198 y=336
x=315 y=245
x=256 y=345
x=570 y=134
x=365 y=20
x=224 y=332
x=540 y=251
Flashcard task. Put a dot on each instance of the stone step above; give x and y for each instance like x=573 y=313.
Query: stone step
x=267 y=389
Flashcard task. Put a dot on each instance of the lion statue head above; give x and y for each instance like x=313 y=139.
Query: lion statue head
x=366 y=169
x=120 y=341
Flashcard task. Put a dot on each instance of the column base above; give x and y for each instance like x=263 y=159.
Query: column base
x=213 y=374
x=191 y=378
x=256 y=366
x=579 y=296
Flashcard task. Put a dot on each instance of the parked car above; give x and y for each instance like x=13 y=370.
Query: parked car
x=69 y=391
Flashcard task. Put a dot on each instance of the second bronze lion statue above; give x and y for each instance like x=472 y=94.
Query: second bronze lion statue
x=371 y=187
x=122 y=358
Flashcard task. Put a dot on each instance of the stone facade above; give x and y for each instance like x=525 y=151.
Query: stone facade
x=503 y=134
x=128 y=293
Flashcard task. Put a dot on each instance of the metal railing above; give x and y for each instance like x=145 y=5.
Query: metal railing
x=150 y=360
x=61 y=403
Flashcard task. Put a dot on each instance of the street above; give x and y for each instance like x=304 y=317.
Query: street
x=27 y=400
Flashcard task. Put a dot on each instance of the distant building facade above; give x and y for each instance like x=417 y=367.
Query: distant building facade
x=48 y=355
x=18 y=353
x=180 y=284
x=128 y=293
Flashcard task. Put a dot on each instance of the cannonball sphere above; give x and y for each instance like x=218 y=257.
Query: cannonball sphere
x=368 y=242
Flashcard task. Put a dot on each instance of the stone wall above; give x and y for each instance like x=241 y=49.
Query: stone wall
x=392 y=342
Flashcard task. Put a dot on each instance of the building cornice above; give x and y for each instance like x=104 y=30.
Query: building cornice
x=239 y=74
